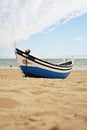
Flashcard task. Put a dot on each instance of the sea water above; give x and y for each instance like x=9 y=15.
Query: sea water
x=79 y=64
x=6 y=63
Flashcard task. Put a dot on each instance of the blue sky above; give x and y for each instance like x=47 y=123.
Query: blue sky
x=47 y=34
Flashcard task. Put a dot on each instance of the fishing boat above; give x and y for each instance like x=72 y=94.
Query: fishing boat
x=32 y=66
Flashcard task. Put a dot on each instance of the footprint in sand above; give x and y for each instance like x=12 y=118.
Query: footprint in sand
x=8 y=103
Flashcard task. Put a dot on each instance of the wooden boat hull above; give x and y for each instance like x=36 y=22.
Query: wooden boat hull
x=33 y=71
x=34 y=67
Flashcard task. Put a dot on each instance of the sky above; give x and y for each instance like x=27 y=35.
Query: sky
x=49 y=28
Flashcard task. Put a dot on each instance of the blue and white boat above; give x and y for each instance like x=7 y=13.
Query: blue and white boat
x=35 y=67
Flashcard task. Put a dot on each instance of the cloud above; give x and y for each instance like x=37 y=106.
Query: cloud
x=80 y=39
x=19 y=19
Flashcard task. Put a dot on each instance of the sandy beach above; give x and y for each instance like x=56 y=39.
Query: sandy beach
x=41 y=103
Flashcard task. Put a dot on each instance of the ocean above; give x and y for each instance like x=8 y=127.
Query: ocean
x=79 y=64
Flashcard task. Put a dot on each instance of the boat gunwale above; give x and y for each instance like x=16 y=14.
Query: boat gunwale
x=54 y=66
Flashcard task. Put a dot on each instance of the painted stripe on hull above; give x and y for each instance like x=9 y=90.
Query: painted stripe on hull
x=45 y=63
x=40 y=72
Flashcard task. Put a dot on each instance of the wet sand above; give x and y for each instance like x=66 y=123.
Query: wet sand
x=41 y=103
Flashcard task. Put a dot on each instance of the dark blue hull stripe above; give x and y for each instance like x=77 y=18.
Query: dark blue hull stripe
x=40 y=72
